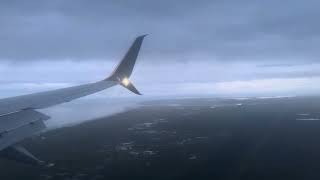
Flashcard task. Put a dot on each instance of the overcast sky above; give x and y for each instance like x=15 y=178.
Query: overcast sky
x=194 y=48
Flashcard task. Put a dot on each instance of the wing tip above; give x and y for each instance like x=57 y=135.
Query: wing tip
x=142 y=36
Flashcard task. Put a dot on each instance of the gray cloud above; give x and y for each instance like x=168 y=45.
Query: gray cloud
x=194 y=47
x=249 y=30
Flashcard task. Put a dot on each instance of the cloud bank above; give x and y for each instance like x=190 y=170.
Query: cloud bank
x=194 y=48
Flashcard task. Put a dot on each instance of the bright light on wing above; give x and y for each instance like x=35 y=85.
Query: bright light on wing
x=125 y=81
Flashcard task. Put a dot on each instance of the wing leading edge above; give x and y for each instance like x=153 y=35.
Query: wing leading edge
x=19 y=118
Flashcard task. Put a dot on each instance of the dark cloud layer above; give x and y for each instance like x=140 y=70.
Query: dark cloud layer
x=250 y=30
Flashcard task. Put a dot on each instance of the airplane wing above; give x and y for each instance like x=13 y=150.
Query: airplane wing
x=19 y=118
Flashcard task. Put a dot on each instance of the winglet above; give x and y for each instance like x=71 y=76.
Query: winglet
x=124 y=69
x=126 y=65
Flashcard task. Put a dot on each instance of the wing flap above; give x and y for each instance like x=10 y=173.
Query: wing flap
x=15 y=120
x=18 y=134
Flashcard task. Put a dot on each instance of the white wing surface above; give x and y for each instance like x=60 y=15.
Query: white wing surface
x=19 y=118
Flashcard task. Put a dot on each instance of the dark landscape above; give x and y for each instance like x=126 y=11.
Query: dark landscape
x=257 y=138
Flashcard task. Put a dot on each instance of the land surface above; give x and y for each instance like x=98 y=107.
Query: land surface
x=258 y=138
